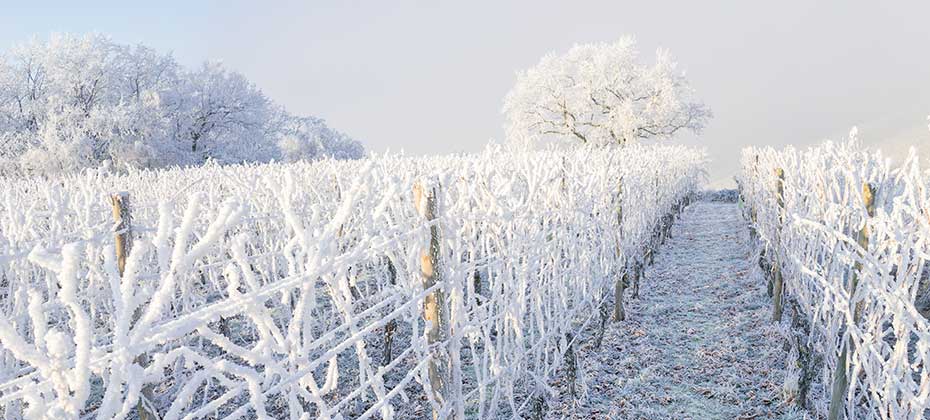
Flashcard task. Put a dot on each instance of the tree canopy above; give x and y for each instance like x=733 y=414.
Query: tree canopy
x=73 y=102
x=600 y=94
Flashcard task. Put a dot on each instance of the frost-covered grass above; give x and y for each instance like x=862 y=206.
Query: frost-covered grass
x=698 y=342
x=866 y=299
x=266 y=290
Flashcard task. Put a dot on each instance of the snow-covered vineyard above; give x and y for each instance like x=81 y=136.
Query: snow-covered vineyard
x=475 y=286
x=391 y=287
x=204 y=216
x=846 y=240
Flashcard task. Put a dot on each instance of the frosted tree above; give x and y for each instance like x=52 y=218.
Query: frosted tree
x=76 y=102
x=600 y=94
x=310 y=136
x=223 y=116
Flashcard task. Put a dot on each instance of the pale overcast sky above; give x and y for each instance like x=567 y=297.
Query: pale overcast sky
x=429 y=77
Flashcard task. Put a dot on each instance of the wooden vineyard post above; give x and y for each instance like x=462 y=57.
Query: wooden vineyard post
x=619 y=313
x=122 y=216
x=800 y=328
x=119 y=203
x=620 y=284
x=392 y=324
x=840 y=378
x=571 y=363
x=637 y=276
x=778 y=284
x=868 y=199
x=434 y=311
x=476 y=281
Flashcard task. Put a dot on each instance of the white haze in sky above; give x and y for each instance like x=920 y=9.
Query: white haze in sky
x=429 y=77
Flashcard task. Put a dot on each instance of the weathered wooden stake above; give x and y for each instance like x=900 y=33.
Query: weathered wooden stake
x=778 y=283
x=434 y=311
x=619 y=313
x=778 y=295
x=620 y=283
x=868 y=199
x=119 y=204
x=766 y=266
x=571 y=362
x=637 y=275
x=806 y=357
x=392 y=324
x=840 y=378
x=476 y=281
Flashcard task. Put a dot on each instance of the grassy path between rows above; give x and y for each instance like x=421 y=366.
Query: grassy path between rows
x=698 y=343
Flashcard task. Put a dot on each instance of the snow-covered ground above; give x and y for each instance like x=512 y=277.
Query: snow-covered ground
x=698 y=343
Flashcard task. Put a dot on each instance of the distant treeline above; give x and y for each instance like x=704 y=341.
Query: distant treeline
x=75 y=102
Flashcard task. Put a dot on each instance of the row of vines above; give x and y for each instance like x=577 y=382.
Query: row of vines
x=845 y=240
x=388 y=287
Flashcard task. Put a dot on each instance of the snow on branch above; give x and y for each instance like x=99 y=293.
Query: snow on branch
x=274 y=290
x=855 y=265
